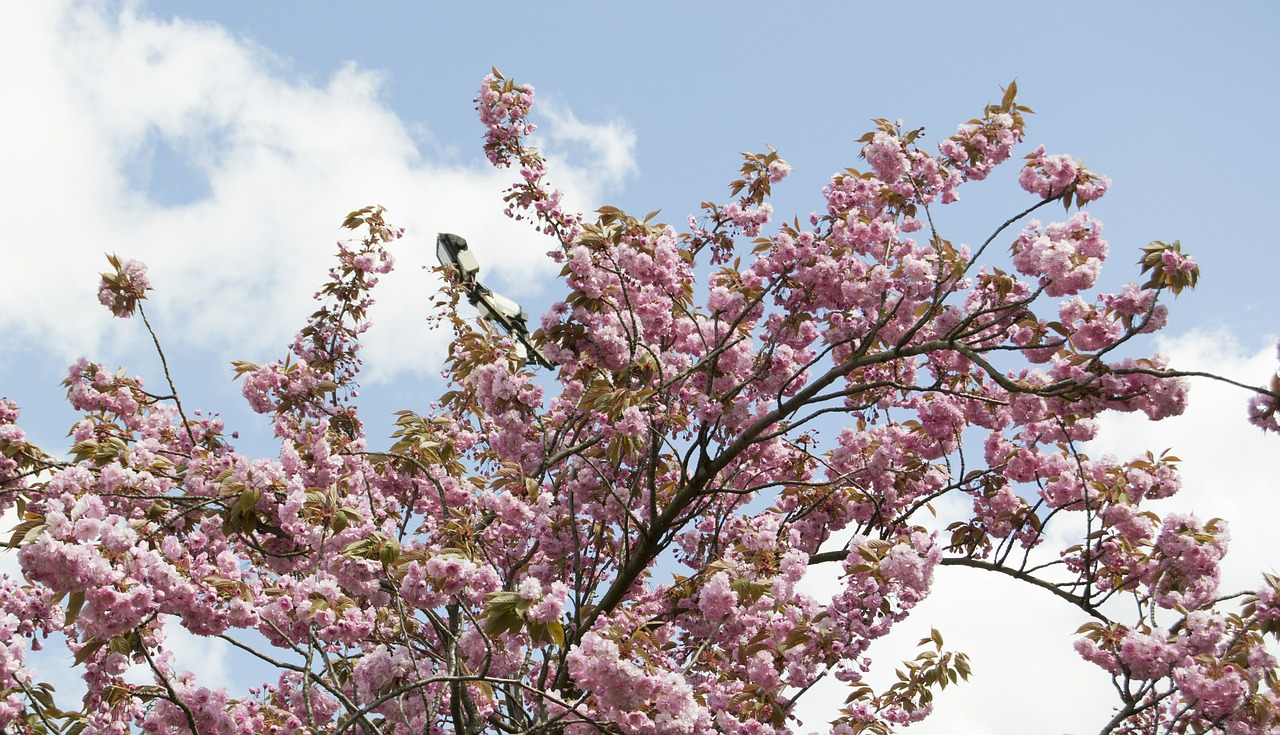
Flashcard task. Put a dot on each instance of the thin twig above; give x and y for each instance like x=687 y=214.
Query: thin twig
x=164 y=363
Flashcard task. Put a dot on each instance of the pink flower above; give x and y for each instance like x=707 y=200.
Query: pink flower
x=120 y=291
x=551 y=606
x=978 y=147
x=1174 y=262
x=1190 y=552
x=1048 y=176
x=717 y=599
x=1263 y=412
x=886 y=157
x=1067 y=256
x=778 y=170
x=1056 y=175
x=1146 y=656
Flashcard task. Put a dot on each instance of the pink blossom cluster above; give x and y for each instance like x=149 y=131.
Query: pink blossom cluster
x=640 y=702
x=16 y=453
x=121 y=290
x=1188 y=554
x=619 y=546
x=503 y=109
x=211 y=709
x=980 y=145
x=1053 y=176
x=1066 y=257
x=1262 y=405
x=25 y=613
x=1176 y=263
x=1197 y=673
x=777 y=170
x=749 y=219
x=1262 y=412
x=886 y=156
x=1136 y=308
x=910 y=173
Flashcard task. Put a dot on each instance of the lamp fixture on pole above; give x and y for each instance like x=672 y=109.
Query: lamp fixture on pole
x=452 y=251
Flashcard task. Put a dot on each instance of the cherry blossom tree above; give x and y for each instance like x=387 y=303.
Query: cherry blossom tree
x=614 y=546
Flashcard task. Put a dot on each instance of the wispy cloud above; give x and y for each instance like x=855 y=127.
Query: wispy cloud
x=181 y=145
x=1027 y=677
x=203 y=155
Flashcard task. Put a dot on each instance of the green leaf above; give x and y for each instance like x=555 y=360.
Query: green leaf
x=502 y=613
x=27 y=531
x=750 y=590
x=87 y=650
x=74 y=603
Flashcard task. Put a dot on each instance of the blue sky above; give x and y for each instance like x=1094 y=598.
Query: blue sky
x=223 y=142
x=1166 y=98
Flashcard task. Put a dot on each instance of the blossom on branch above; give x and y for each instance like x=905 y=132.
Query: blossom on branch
x=618 y=546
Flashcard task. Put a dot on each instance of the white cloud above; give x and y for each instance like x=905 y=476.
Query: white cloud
x=109 y=95
x=1230 y=469
x=1027 y=677
x=611 y=145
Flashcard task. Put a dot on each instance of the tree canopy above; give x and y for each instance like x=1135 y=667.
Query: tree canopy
x=614 y=545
